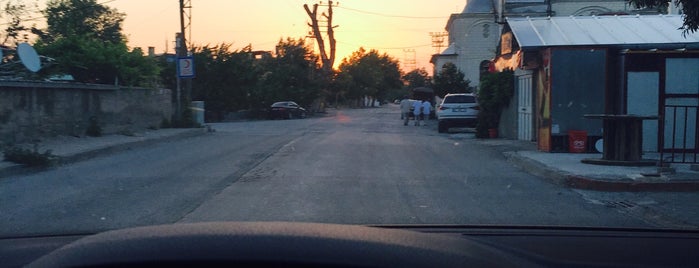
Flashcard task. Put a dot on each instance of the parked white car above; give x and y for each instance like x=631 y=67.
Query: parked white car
x=457 y=110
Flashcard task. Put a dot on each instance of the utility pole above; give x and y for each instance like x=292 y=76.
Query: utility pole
x=438 y=40
x=182 y=51
x=186 y=21
x=410 y=59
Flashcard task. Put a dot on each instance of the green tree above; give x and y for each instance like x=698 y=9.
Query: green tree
x=342 y=86
x=93 y=61
x=85 y=39
x=369 y=74
x=417 y=78
x=450 y=80
x=224 y=79
x=690 y=8
x=292 y=74
x=66 y=18
x=495 y=93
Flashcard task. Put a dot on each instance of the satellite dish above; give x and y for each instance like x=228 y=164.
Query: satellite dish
x=29 y=58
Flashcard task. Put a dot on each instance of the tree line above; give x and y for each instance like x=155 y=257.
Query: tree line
x=84 y=39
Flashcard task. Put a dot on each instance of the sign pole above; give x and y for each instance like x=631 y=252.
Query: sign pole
x=178 y=53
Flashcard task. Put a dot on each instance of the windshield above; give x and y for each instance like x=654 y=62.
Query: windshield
x=459 y=99
x=117 y=114
x=280 y=104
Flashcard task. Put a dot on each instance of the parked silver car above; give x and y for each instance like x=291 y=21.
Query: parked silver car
x=457 y=110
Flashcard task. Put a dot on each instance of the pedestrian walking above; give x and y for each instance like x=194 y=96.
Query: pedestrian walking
x=417 y=111
x=405 y=110
x=426 y=109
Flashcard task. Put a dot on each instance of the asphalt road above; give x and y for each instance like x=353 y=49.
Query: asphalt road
x=353 y=166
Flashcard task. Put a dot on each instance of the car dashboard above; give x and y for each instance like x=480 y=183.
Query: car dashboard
x=289 y=244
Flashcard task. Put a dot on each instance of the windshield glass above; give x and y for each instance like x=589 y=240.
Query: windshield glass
x=460 y=99
x=117 y=114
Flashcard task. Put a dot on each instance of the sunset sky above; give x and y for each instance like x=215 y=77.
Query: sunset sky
x=389 y=26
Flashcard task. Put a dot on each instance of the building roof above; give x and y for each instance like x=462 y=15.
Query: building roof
x=600 y=30
x=450 y=50
x=478 y=6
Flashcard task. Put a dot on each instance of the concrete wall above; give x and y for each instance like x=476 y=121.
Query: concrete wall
x=508 y=119
x=590 y=7
x=475 y=36
x=35 y=110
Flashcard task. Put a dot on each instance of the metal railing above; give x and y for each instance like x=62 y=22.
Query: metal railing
x=679 y=142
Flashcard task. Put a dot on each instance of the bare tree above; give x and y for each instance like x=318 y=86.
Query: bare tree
x=327 y=60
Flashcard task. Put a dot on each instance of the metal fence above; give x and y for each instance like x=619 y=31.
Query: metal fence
x=680 y=140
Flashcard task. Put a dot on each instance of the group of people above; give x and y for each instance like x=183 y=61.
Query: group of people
x=421 y=110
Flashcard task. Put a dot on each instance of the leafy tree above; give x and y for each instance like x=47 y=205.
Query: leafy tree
x=450 y=80
x=224 y=79
x=85 y=39
x=91 y=60
x=341 y=85
x=494 y=95
x=135 y=69
x=16 y=30
x=66 y=18
x=369 y=74
x=690 y=8
x=293 y=74
x=417 y=78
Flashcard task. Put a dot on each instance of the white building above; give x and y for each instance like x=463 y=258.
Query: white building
x=474 y=33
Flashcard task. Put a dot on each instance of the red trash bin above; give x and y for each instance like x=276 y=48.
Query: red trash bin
x=577 y=141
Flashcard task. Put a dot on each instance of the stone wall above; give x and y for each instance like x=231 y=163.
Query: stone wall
x=35 y=110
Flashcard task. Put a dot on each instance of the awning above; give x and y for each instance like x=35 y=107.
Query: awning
x=600 y=30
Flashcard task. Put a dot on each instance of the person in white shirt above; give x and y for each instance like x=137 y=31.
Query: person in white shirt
x=405 y=110
x=426 y=108
x=417 y=110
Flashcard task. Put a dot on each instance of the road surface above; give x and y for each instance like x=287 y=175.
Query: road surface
x=356 y=166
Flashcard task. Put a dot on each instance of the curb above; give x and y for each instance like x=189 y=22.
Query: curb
x=566 y=179
x=18 y=169
x=69 y=159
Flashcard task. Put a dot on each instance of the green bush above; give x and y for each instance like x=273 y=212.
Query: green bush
x=29 y=157
x=496 y=90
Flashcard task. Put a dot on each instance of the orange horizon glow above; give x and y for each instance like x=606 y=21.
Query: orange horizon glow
x=390 y=26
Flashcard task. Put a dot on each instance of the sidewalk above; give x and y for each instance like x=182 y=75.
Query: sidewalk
x=567 y=169
x=73 y=149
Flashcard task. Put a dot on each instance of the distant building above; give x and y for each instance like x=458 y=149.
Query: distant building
x=474 y=33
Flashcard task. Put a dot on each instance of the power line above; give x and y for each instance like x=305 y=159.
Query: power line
x=410 y=59
x=385 y=48
x=44 y=16
x=391 y=15
x=438 y=40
